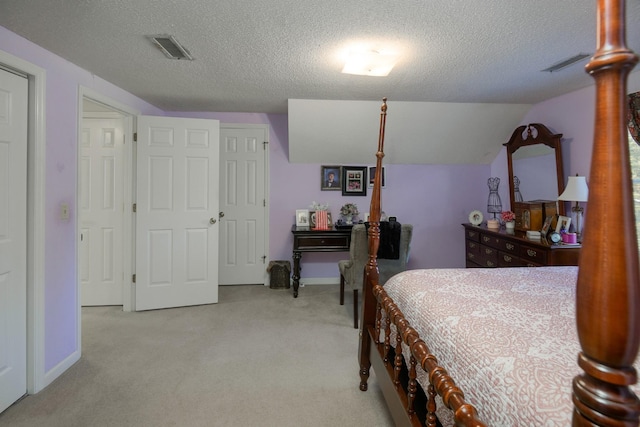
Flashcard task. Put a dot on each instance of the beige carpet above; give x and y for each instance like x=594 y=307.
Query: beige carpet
x=259 y=357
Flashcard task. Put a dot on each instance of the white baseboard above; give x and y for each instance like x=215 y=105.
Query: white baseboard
x=319 y=281
x=59 y=369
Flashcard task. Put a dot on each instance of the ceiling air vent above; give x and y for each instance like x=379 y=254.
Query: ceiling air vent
x=569 y=61
x=170 y=47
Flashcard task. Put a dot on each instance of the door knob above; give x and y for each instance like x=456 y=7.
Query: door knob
x=212 y=221
x=221 y=214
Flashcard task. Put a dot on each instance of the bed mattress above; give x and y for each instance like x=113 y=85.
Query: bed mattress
x=506 y=336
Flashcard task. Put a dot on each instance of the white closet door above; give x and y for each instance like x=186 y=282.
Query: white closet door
x=13 y=238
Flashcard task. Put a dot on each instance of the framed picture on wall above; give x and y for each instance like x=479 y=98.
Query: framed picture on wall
x=354 y=180
x=372 y=176
x=330 y=178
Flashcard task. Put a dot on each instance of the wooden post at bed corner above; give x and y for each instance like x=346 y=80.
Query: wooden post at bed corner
x=608 y=289
x=370 y=276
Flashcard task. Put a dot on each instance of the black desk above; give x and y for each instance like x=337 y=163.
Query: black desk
x=308 y=240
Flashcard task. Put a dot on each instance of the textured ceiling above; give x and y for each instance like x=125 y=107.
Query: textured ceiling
x=254 y=55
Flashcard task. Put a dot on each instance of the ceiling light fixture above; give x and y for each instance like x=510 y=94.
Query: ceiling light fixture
x=569 y=61
x=171 y=47
x=370 y=63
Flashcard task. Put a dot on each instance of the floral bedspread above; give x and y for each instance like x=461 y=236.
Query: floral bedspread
x=506 y=336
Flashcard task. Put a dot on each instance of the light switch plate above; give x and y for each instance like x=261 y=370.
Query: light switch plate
x=64 y=211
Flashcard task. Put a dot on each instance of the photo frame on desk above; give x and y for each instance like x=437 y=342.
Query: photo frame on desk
x=302 y=218
x=354 y=180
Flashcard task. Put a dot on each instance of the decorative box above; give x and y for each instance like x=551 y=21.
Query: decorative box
x=530 y=215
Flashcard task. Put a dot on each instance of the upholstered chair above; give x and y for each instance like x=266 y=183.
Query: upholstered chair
x=352 y=270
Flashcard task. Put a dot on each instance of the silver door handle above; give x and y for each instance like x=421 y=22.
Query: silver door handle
x=212 y=221
x=221 y=214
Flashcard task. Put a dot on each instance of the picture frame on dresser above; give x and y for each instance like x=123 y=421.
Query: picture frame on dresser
x=564 y=222
x=546 y=227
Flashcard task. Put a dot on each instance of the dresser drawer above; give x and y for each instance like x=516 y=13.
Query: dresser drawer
x=472 y=235
x=472 y=250
x=533 y=255
x=508 y=246
x=510 y=260
x=489 y=240
x=488 y=256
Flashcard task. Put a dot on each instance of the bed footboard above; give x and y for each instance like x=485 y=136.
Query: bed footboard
x=385 y=355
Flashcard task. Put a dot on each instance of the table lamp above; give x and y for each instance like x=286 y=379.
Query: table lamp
x=576 y=191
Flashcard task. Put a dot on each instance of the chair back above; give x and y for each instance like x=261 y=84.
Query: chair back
x=353 y=270
x=359 y=250
x=391 y=267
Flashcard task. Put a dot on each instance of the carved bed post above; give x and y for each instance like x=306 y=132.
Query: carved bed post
x=608 y=289
x=370 y=276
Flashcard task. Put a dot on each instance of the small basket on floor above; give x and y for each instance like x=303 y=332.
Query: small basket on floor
x=280 y=274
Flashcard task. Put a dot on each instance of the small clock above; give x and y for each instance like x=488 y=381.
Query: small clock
x=476 y=218
x=555 y=237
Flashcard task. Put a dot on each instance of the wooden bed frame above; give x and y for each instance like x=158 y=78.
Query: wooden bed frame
x=608 y=288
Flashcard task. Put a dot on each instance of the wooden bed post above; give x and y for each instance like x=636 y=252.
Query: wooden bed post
x=370 y=276
x=608 y=289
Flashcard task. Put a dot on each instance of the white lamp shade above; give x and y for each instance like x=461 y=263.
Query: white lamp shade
x=576 y=190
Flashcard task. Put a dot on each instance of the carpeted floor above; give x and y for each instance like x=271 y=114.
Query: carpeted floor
x=258 y=357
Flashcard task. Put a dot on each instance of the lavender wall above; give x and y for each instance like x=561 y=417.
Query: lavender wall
x=62 y=82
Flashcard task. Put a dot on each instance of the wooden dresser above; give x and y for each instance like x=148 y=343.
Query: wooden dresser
x=499 y=248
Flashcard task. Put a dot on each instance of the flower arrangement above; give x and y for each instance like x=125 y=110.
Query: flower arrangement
x=349 y=209
x=319 y=206
x=508 y=216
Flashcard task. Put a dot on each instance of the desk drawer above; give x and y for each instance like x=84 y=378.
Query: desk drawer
x=321 y=243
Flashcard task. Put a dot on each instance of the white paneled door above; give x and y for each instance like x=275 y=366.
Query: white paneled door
x=101 y=211
x=13 y=238
x=177 y=212
x=243 y=205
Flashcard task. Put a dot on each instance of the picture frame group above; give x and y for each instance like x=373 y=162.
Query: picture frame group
x=351 y=180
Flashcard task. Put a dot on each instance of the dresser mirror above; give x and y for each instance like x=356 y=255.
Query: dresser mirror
x=534 y=157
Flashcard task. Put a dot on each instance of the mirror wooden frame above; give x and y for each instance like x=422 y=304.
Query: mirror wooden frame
x=533 y=134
